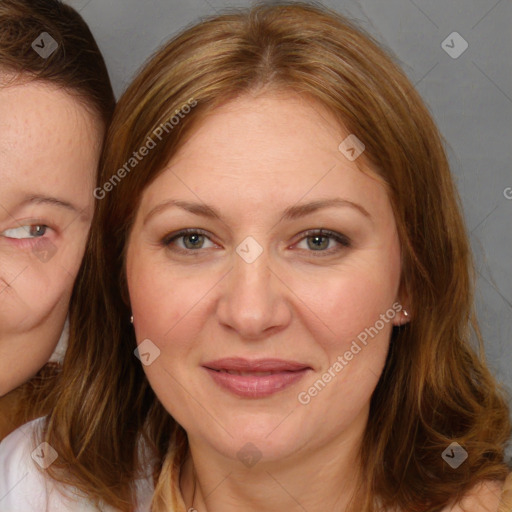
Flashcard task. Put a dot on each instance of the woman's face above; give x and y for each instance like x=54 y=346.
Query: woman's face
x=49 y=150
x=250 y=291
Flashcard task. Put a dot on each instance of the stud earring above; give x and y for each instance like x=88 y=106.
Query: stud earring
x=131 y=319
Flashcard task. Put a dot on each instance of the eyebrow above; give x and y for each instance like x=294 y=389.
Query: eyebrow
x=53 y=201
x=290 y=213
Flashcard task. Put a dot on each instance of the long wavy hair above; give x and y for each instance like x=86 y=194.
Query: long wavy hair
x=435 y=388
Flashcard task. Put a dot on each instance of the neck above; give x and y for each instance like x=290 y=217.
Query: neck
x=316 y=478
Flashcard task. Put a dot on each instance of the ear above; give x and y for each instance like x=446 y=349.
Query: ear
x=402 y=306
x=403 y=316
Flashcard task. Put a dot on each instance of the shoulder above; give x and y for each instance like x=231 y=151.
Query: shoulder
x=20 y=483
x=23 y=483
x=487 y=496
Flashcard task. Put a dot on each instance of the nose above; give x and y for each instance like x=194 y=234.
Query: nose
x=255 y=301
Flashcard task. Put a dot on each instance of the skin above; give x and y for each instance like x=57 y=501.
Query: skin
x=49 y=148
x=484 y=497
x=251 y=159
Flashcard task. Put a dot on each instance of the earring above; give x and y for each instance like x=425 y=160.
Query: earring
x=405 y=313
x=131 y=319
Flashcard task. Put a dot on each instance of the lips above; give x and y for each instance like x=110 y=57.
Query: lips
x=256 y=378
x=236 y=364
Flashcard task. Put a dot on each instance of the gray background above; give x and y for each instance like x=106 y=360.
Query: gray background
x=470 y=98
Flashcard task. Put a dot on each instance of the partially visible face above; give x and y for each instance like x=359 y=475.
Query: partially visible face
x=257 y=285
x=49 y=151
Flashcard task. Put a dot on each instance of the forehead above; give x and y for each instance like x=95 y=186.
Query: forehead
x=265 y=149
x=278 y=120
x=48 y=139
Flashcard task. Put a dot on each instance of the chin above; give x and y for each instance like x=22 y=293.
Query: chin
x=242 y=438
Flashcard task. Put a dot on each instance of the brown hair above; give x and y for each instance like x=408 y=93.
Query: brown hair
x=435 y=388
x=76 y=66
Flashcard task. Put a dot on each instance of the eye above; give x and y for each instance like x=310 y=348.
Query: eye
x=318 y=240
x=31 y=231
x=193 y=239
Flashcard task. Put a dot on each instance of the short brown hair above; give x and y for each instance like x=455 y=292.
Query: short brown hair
x=77 y=64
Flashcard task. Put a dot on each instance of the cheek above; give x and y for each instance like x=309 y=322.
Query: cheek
x=32 y=295
x=349 y=300
x=69 y=251
x=157 y=301
x=357 y=307
x=162 y=308
x=21 y=360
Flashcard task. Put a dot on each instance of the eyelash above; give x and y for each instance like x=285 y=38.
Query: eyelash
x=341 y=239
x=29 y=240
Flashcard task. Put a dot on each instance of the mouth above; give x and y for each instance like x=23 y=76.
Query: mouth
x=238 y=364
x=252 y=374
x=257 y=378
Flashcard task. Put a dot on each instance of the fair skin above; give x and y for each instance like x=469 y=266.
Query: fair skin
x=49 y=147
x=198 y=300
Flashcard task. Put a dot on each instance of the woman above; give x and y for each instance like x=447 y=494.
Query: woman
x=275 y=306
x=55 y=102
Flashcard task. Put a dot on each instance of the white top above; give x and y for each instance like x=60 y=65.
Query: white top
x=25 y=488
x=62 y=344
